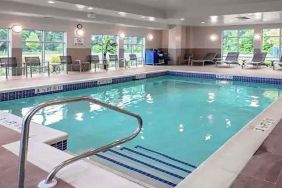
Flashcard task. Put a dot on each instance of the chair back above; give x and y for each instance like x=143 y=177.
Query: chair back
x=132 y=57
x=8 y=62
x=232 y=56
x=210 y=56
x=94 y=58
x=66 y=59
x=259 y=57
x=32 y=61
x=113 y=58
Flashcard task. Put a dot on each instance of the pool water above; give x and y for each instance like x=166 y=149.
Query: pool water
x=186 y=118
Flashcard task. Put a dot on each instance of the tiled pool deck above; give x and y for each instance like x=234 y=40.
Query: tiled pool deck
x=43 y=79
x=9 y=164
x=263 y=170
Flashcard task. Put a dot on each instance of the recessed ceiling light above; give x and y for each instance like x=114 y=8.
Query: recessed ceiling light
x=203 y=22
x=182 y=19
x=80 y=6
x=151 y=19
x=122 y=13
x=214 y=19
x=90 y=8
x=143 y=17
x=51 y=2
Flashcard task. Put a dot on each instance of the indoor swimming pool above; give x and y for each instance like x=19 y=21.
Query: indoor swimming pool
x=185 y=121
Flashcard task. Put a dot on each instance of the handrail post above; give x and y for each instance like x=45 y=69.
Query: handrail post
x=50 y=181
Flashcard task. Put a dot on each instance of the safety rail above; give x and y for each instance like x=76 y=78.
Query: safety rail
x=50 y=181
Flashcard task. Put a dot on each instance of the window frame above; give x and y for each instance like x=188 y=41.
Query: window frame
x=238 y=38
x=42 y=41
x=279 y=37
x=132 y=44
x=8 y=40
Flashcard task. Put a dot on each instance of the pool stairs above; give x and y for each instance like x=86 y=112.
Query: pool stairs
x=148 y=166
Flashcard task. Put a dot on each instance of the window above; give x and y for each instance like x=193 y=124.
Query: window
x=4 y=43
x=238 y=41
x=134 y=45
x=98 y=45
x=5 y=47
x=45 y=44
x=271 y=43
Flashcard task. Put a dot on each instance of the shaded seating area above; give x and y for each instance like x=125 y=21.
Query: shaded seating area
x=11 y=67
x=257 y=61
x=209 y=57
x=74 y=65
x=231 y=59
x=33 y=64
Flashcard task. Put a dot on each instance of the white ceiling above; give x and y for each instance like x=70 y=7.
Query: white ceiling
x=164 y=12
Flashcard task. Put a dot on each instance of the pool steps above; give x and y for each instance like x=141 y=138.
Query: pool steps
x=147 y=165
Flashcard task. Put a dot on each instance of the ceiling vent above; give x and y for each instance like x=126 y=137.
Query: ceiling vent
x=242 y=18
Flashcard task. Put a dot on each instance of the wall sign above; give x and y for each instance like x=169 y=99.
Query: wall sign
x=78 y=41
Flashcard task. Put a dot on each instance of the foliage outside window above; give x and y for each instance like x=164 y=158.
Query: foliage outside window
x=99 y=45
x=47 y=45
x=238 y=41
x=271 y=43
x=134 y=45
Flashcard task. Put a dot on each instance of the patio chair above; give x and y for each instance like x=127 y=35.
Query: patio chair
x=277 y=64
x=188 y=59
x=209 y=57
x=231 y=59
x=10 y=63
x=116 y=60
x=94 y=59
x=257 y=61
x=74 y=65
x=34 y=63
x=134 y=58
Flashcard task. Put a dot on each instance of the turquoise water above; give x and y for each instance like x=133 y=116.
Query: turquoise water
x=186 y=118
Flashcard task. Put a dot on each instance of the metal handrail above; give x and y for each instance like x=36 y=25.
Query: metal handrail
x=25 y=134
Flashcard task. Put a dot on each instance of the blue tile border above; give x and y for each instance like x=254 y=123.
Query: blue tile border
x=25 y=93
x=62 y=145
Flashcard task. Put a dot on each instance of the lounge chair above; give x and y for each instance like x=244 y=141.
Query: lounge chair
x=34 y=63
x=188 y=59
x=74 y=65
x=95 y=59
x=257 y=61
x=277 y=64
x=231 y=59
x=10 y=63
x=209 y=57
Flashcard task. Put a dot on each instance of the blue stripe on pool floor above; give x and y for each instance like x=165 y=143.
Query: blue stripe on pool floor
x=164 y=155
x=137 y=170
x=155 y=159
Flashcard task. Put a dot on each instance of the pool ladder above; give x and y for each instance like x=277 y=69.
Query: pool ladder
x=50 y=181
